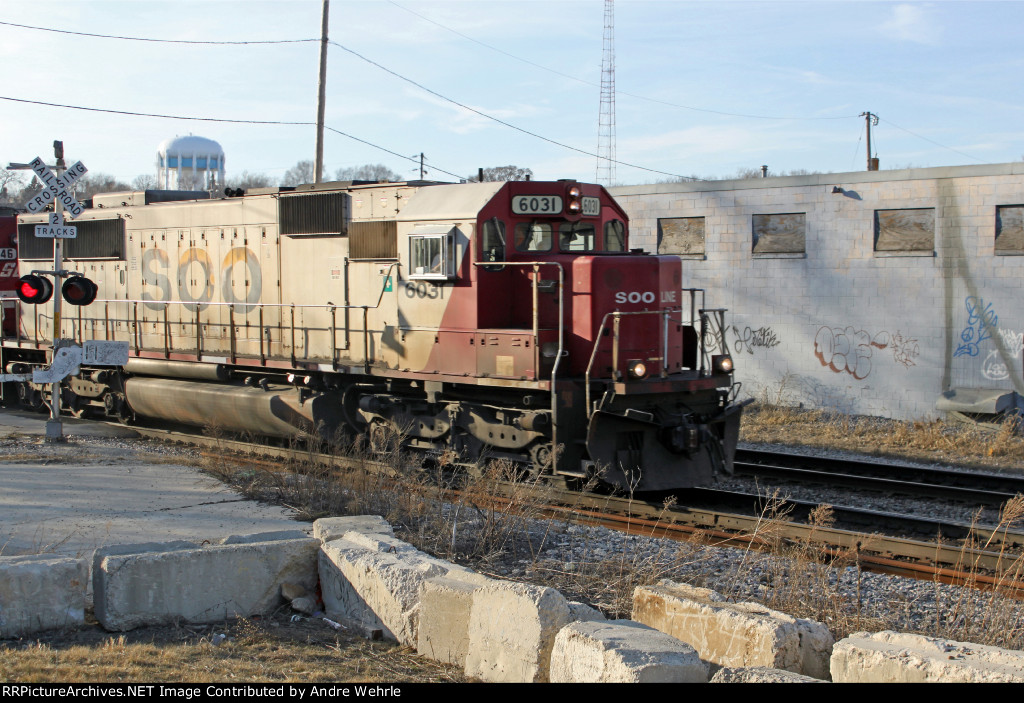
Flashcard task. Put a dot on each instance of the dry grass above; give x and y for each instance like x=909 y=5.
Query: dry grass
x=939 y=441
x=270 y=650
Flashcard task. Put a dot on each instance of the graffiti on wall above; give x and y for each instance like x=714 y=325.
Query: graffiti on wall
x=848 y=350
x=980 y=319
x=1013 y=341
x=905 y=350
x=749 y=338
x=994 y=366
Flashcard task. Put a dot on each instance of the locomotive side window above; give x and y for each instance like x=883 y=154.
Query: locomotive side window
x=493 y=241
x=577 y=236
x=533 y=236
x=614 y=236
x=429 y=257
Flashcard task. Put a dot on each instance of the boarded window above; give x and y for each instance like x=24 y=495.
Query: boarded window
x=912 y=229
x=373 y=239
x=94 y=239
x=1010 y=229
x=780 y=234
x=681 y=235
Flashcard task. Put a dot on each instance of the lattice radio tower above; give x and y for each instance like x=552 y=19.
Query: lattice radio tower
x=606 y=119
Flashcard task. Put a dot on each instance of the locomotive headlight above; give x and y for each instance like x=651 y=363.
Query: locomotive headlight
x=575 y=205
x=636 y=369
x=721 y=364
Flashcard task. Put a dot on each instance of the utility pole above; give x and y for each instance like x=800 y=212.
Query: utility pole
x=870 y=119
x=319 y=165
x=422 y=172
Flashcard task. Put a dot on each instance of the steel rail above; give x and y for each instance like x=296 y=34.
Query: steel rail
x=958 y=564
x=964 y=486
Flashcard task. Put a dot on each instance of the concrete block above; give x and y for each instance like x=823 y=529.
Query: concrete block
x=264 y=537
x=41 y=592
x=759 y=674
x=892 y=657
x=445 y=607
x=362 y=580
x=581 y=612
x=622 y=651
x=137 y=585
x=328 y=528
x=735 y=634
x=512 y=628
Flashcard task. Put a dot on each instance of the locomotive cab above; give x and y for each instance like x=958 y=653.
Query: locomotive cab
x=615 y=335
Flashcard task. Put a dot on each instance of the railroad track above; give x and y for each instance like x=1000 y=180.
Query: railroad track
x=990 y=564
x=989 y=490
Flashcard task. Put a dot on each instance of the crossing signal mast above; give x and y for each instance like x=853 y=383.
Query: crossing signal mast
x=606 y=120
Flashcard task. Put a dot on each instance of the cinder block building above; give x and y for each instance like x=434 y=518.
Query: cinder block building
x=890 y=293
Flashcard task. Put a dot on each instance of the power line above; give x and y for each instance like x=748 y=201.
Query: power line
x=217 y=119
x=617 y=92
x=160 y=41
x=932 y=141
x=495 y=119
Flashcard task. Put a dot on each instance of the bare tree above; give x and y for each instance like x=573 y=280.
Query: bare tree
x=367 y=172
x=146 y=181
x=503 y=173
x=298 y=174
x=246 y=180
x=11 y=187
x=93 y=183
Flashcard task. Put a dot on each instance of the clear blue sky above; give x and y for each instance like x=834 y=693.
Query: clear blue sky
x=704 y=88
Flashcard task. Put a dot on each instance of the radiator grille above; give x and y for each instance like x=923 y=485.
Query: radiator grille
x=95 y=239
x=315 y=213
x=373 y=239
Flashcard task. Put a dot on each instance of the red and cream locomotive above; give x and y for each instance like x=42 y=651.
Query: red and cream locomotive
x=481 y=320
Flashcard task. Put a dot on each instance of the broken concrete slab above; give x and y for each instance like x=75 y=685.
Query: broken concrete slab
x=512 y=629
x=41 y=592
x=137 y=585
x=893 y=657
x=735 y=634
x=378 y=581
x=328 y=528
x=445 y=608
x=759 y=674
x=623 y=651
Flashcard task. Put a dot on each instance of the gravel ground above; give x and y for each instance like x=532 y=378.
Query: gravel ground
x=600 y=566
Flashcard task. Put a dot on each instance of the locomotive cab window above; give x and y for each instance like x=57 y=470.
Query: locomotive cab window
x=431 y=256
x=492 y=243
x=533 y=236
x=614 y=236
x=577 y=236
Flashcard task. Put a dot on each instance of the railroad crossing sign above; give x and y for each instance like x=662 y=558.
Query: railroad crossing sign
x=56 y=188
x=56 y=228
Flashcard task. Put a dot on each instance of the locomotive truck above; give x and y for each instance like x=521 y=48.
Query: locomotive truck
x=476 y=321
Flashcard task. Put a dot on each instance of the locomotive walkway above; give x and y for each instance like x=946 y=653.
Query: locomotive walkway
x=71 y=497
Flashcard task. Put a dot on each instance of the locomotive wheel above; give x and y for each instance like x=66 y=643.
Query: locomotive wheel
x=383 y=439
x=30 y=398
x=540 y=458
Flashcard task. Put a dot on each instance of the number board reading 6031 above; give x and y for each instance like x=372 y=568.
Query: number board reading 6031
x=537 y=205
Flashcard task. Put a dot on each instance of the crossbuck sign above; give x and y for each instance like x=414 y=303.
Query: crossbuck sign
x=56 y=188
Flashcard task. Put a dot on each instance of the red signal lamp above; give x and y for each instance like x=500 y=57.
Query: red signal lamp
x=78 y=290
x=34 y=289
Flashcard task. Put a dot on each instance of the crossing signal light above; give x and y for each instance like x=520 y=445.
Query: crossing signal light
x=78 y=290
x=34 y=289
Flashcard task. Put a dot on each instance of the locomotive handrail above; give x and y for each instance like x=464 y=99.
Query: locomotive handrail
x=536 y=335
x=136 y=333
x=618 y=314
